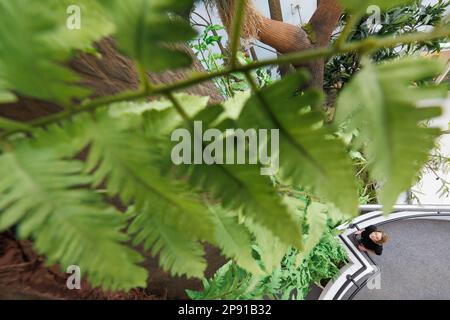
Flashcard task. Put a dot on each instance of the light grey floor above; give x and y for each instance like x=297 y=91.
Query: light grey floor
x=415 y=263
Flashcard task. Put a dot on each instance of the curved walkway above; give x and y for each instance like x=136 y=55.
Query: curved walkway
x=415 y=263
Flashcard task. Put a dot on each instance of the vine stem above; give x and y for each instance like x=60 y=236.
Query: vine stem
x=238 y=23
x=178 y=107
x=145 y=91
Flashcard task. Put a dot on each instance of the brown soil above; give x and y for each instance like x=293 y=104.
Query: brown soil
x=23 y=275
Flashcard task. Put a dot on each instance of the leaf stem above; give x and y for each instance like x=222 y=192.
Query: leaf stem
x=178 y=107
x=362 y=46
x=238 y=23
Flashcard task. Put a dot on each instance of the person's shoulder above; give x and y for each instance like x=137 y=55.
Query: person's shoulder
x=371 y=228
x=378 y=249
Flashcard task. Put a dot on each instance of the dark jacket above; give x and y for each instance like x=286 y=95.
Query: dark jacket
x=368 y=243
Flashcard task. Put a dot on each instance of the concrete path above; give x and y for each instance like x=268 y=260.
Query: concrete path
x=415 y=263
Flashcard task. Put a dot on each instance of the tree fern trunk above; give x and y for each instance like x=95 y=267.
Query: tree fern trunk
x=109 y=75
x=285 y=37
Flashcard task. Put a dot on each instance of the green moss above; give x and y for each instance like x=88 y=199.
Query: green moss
x=310 y=32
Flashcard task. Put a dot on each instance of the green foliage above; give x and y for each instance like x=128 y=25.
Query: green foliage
x=132 y=176
x=179 y=253
x=145 y=30
x=7 y=124
x=242 y=187
x=358 y=5
x=229 y=283
x=287 y=281
x=70 y=225
x=234 y=239
x=205 y=47
x=170 y=218
x=270 y=250
x=316 y=219
x=33 y=44
x=65 y=205
x=382 y=103
x=308 y=156
x=408 y=18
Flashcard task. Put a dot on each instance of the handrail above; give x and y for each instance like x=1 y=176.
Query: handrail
x=407 y=207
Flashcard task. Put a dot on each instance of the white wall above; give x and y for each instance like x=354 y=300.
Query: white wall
x=428 y=188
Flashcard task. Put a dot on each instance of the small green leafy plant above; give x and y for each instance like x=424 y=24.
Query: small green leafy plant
x=290 y=280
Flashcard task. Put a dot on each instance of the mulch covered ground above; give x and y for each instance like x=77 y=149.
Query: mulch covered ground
x=23 y=275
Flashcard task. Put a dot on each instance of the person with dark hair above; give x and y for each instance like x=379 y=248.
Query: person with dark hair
x=372 y=240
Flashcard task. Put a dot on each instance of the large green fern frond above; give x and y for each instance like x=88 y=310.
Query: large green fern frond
x=34 y=41
x=71 y=225
x=309 y=156
x=148 y=31
x=124 y=160
x=241 y=187
x=270 y=249
x=179 y=252
x=234 y=239
x=381 y=101
x=317 y=219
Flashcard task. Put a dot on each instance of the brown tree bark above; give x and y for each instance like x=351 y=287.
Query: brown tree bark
x=276 y=13
x=287 y=38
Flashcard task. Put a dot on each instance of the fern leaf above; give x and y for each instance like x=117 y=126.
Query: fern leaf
x=316 y=218
x=308 y=154
x=34 y=43
x=381 y=102
x=178 y=252
x=362 y=5
x=124 y=160
x=229 y=283
x=241 y=187
x=146 y=31
x=270 y=248
x=94 y=25
x=7 y=124
x=234 y=239
x=70 y=225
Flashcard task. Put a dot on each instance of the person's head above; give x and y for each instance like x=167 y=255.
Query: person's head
x=379 y=237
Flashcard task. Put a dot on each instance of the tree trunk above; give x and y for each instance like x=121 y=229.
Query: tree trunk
x=276 y=13
x=275 y=10
x=287 y=38
x=111 y=74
